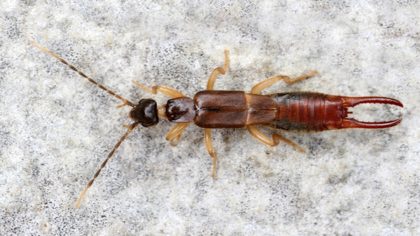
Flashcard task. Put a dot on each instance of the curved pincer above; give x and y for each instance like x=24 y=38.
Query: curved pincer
x=354 y=101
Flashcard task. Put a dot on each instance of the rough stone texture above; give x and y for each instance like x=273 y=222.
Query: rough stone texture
x=55 y=127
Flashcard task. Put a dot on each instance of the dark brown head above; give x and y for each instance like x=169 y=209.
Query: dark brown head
x=145 y=113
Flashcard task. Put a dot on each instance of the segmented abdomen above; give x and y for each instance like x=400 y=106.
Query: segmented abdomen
x=305 y=110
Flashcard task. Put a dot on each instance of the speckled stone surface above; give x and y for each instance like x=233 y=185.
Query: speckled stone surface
x=55 y=127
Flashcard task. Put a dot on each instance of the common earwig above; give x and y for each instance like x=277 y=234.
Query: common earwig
x=210 y=109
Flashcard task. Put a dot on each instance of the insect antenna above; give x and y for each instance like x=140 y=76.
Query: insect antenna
x=101 y=86
x=103 y=164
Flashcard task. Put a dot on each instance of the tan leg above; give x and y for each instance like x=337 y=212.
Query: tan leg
x=210 y=150
x=270 y=81
x=175 y=133
x=170 y=92
x=218 y=71
x=122 y=105
x=274 y=141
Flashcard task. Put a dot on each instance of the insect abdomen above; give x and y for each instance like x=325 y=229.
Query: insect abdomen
x=306 y=111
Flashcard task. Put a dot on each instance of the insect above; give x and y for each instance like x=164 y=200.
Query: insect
x=210 y=109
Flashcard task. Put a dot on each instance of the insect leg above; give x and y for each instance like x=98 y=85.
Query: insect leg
x=175 y=133
x=211 y=151
x=218 y=71
x=270 y=81
x=274 y=141
x=170 y=92
x=90 y=183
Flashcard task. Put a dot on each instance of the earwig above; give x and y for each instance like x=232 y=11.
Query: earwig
x=211 y=109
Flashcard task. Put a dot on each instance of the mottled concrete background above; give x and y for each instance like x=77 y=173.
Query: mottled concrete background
x=55 y=127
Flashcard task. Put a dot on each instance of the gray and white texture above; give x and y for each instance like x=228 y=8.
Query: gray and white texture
x=55 y=127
